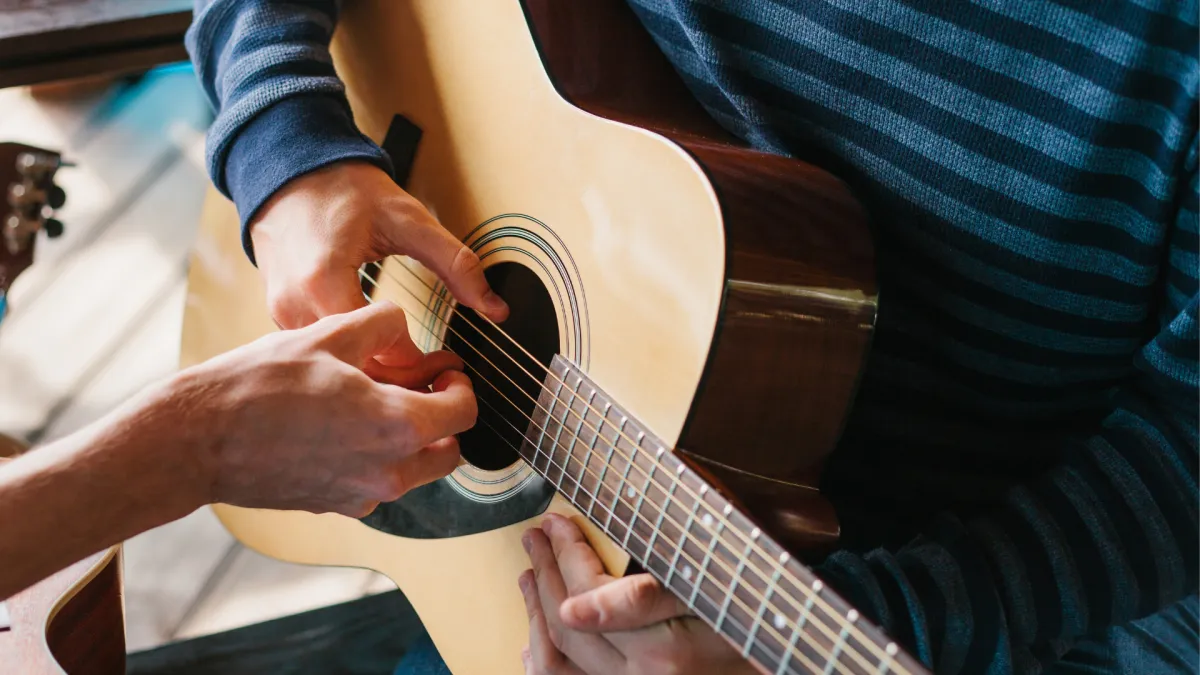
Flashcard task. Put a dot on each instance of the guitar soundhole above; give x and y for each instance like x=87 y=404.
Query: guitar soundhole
x=507 y=381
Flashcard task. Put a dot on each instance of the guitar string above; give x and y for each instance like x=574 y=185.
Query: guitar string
x=872 y=647
x=791 y=652
x=766 y=602
x=698 y=587
x=750 y=542
x=853 y=630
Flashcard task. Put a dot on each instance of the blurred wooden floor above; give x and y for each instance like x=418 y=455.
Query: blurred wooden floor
x=98 y=317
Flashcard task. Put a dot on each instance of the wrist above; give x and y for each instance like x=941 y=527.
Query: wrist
x=168 y=443
x=292 y=137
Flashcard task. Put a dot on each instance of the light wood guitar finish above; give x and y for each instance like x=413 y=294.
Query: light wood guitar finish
x=721 y=298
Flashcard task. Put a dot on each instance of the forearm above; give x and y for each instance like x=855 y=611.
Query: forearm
x=105 y=483
x=281 y=108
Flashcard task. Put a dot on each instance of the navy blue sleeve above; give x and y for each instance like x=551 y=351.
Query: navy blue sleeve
x=281 y=109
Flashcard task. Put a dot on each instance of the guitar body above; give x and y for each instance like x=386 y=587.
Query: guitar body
x=725 y=297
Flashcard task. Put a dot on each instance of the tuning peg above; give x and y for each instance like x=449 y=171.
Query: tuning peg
x=53 y=228
x=56 y=197
x=36 y=164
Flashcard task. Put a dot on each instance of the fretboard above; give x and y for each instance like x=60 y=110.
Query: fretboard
x=692 y=539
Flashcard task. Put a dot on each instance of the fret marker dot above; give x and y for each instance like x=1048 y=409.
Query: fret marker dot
x=891 y=649
x=817 y=585
x=727 y=510
x=852 y=616
x=630 y=492
x=780 y=621
x=754 y=534
x=707 y=520
x=687 y=573
x=703 y=490
x=784 y=558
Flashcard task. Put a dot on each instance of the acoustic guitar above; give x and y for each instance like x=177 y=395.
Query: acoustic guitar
x=689 y=319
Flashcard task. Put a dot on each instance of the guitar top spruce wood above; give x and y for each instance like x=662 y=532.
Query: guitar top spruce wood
x=689 y=318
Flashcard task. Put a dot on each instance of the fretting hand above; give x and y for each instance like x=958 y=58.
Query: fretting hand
x=584 y=622
x=312 y=236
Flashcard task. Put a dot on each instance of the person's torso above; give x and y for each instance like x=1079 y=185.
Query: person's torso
x=1020 y=164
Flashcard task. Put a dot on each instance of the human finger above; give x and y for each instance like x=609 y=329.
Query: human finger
x=357 y=337
x=581 y=568
x=541 y=657
x=449 y=408
x=633 y=602
x=590 y=652
x=415 y=376
x=428 y=464
x=454 y=263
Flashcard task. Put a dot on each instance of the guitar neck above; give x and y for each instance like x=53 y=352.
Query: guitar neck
x=701 y=547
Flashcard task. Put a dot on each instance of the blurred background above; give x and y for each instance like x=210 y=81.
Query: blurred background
x=97 y=317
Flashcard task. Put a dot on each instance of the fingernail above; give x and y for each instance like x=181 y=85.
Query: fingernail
x=523 y=581
x=527 y=542
x=548 y=525
x=494 y=302
x=525 y=656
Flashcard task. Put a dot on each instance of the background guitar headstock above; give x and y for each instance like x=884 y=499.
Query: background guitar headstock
x=30 y=199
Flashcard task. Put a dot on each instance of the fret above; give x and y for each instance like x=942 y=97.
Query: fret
x=733 y=584
x=662 y=511
x=687 y=531
x=637 y=510
x=762 y=607
x=788 y=655
x=712 y=546
x=588 y=456
x=620 y=485
x=603 y=468
x=544 y=429
x=832 y=661
x=747 y=574
x=562 y=424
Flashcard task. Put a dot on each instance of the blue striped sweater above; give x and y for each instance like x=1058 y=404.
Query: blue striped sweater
x=1020 y=469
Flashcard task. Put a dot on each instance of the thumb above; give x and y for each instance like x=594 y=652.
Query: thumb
x=630 y=603
x=358 y=336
